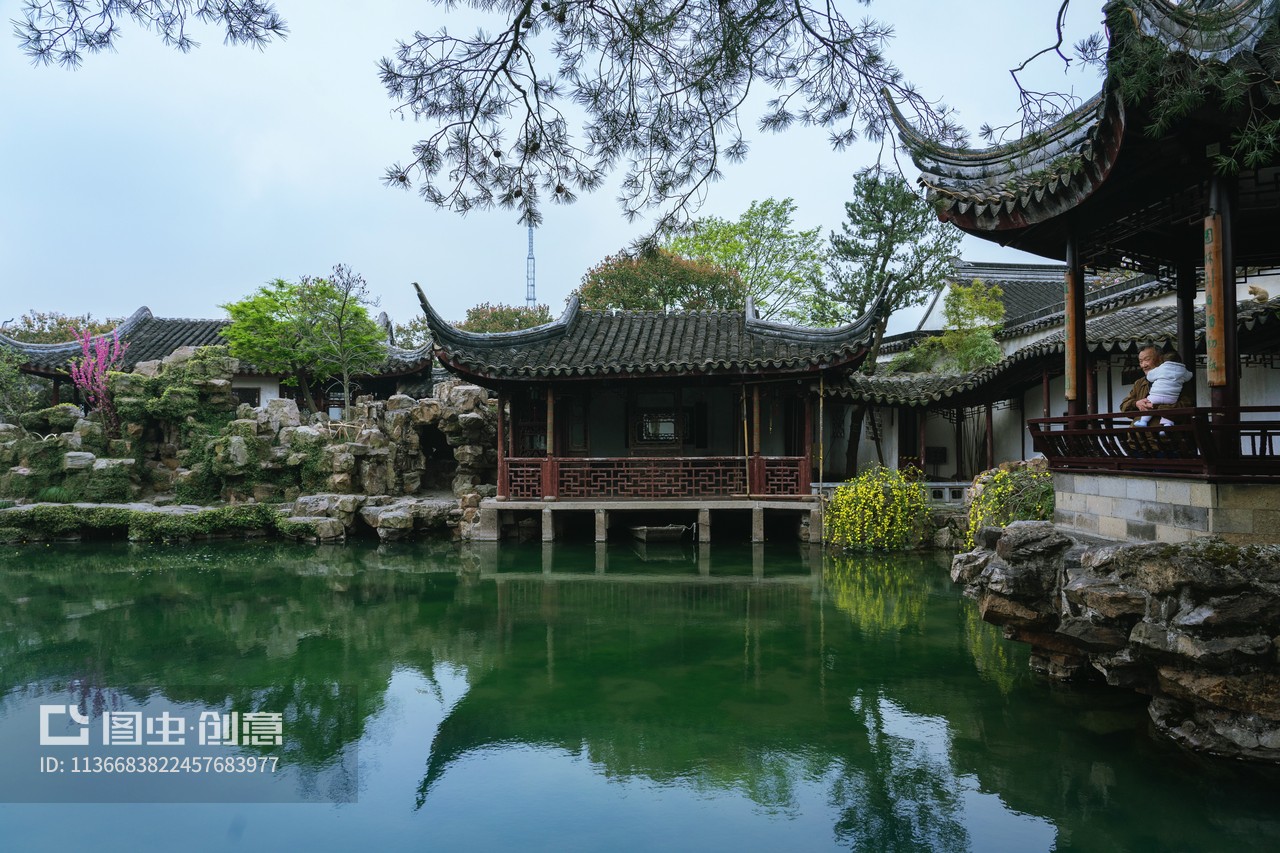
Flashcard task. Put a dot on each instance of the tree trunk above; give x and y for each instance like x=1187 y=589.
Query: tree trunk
x=860 y=411
x=304 y=385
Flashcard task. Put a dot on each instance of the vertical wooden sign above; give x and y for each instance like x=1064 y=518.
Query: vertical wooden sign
x=1069 y=317
x=1214 y=302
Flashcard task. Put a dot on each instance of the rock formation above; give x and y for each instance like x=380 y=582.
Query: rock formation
x=1195 y=626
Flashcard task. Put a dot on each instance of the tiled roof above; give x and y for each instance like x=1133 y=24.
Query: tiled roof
x=151 y=338
x=604 y=343
x=1127 y=330
x=1035 y=179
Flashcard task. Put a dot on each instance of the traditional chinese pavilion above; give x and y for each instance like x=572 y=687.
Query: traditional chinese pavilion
x=1131 y=180
x=675 y=412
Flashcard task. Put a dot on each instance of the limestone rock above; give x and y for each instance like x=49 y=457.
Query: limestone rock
x=77 y=461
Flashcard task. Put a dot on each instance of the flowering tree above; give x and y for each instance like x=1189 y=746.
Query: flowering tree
x=100 y=356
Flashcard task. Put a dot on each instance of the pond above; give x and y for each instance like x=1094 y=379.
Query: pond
x=566 y=697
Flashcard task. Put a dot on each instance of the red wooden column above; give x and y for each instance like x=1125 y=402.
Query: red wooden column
x=503 y=490
x=550 y=464
x=755 y=482
x=1076 y=346
x=1091 y=385
x=808 y=446
x=1044 y=391
x=1221 y=349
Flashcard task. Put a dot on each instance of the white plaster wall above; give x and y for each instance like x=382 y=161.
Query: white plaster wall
x=268 y=387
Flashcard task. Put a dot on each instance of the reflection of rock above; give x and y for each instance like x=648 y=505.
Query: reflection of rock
x=1195 y=625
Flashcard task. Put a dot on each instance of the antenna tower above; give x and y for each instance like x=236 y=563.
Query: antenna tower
x=529 y=299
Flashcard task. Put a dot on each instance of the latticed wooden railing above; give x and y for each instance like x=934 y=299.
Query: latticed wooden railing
x=655 y=478
x=1211 y=443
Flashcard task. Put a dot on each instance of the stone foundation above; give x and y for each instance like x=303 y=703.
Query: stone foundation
x=1160 y=509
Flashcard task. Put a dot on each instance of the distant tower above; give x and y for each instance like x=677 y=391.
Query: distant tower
x=529 y=299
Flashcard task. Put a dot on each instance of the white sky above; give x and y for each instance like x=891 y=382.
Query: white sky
x=182 y=182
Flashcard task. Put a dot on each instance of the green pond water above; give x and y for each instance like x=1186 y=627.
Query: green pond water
x=567 y=697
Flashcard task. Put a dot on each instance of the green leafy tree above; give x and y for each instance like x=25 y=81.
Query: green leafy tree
x=270 y=331
x=18 y=392
x=310 y=330
x=53 y=327
x=973 y=314
x=891 y=242
x=777 y=264
x=660 y=281
x=504 y=318
x=346 y=340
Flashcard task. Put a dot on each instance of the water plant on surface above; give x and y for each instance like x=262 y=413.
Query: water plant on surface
x=879 y=509
x=1022 y=493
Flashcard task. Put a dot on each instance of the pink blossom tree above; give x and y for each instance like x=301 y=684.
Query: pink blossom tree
x=100 y=356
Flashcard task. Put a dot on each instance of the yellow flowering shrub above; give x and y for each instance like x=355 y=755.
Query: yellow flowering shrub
x=879 y=509
x=1019 y=494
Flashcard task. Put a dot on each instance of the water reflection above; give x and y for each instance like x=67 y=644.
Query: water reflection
x=856 y=704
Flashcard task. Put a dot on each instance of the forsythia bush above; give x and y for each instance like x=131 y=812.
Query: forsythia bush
x=1024 y=493
x=879 y=508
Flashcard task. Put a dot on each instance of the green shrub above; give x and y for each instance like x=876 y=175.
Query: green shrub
x=56 y=495
x=878 y=509
x=1024 y=493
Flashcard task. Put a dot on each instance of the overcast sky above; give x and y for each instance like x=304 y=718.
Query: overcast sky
x=182 y=182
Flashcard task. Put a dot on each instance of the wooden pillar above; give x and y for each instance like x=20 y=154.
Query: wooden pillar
x=920 y=438
x=1091 y=385
x=755 y=420
x=1221 y=348
x=808 y=443
x=1044 y=390
x=503 y=491
x=1076 y=345
x=959 y=442
x=550 y=472
x=1186 y=279
x=991 y=440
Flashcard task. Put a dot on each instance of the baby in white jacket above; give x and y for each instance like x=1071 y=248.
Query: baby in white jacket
x=1166 y=380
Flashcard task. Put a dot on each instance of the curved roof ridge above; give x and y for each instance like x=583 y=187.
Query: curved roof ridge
x=443 y=331
x=823 y=334
x=123 y=328
x=1216 y=34
x=1065 y=136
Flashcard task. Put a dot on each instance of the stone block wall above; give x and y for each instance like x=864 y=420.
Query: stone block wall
x=1160 y=509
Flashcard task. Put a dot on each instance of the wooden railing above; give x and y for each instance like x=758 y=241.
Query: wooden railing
x=661 y=478
x=1209 y=443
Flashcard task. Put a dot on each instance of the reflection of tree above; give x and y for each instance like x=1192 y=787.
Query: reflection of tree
x=311 y=633
x=882 y=593
x=900 y=797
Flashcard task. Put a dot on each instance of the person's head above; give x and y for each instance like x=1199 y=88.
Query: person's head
x=1149 y=358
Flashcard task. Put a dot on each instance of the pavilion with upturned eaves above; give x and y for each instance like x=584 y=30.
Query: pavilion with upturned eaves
x=1116 y=184
x=663 y=415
